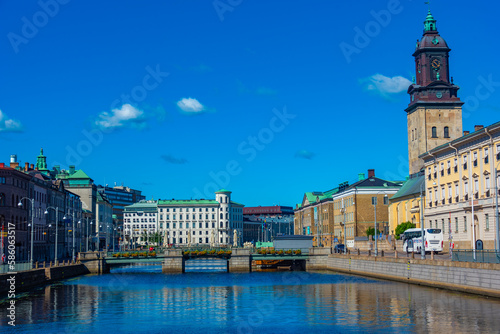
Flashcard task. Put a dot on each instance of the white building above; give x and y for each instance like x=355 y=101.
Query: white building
x=140 y=222
x=201 y=222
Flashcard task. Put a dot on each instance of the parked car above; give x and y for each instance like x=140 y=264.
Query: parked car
x=339 y=248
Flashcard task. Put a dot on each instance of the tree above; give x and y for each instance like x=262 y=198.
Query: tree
x=403 y=227
x=371 y=231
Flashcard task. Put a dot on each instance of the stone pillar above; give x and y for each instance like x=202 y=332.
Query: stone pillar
x=173 y=262
x=94 y=262
x=240 y=261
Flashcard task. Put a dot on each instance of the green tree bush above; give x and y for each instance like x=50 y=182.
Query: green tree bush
x=403 y=227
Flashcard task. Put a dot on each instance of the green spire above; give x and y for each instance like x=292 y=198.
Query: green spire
x=430 y=22
x=41 y=161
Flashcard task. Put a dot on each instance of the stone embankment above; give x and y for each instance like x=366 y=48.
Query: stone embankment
x=471 y=277
x=29 y=279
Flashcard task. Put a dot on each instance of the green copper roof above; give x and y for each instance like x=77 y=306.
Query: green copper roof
x=191 y=202
x=79 y=174
x=236 y=203
x=41 y=162
x=142 y=204
x=223 y=191
x=411 y=187
x=430 y=22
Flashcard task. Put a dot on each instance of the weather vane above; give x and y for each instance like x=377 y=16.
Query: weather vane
x=429 y=4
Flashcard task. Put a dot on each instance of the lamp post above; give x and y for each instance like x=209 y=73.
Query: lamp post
x=374 y=202
x=57 y=227
x=422 y=247
x=88 y=235
x=73 y=232
x=20 y=204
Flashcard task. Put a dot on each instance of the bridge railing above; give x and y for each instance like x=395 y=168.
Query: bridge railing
x=479 y=256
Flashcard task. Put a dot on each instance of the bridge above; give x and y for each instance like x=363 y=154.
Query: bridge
x=178 y=260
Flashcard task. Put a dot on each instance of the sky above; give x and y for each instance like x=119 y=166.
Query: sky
x=268 y=99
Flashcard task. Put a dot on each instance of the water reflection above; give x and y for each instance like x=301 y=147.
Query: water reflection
x=136 y=300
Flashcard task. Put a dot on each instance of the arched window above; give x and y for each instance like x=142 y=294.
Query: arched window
x=446 y=132
x=221 y=216
x=434 y=132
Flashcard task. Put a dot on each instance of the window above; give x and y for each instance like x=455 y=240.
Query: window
x=386 y=200
x=465 y=223
x=434 y=132
x=456 y=224
x=2 y=180
x=374 y=200
x=487 y=222
x=446 y=132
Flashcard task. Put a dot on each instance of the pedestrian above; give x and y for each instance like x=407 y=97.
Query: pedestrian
x=3 y=258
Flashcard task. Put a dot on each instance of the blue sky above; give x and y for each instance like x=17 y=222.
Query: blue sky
x=178 y=98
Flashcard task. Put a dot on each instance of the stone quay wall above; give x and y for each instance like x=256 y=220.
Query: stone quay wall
x=240 y=261
x=476 y=278
x=29 y=279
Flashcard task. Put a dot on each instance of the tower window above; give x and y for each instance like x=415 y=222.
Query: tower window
x=434 y=132
x=446 y=132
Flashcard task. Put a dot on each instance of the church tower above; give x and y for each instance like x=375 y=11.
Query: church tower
x=435 y=112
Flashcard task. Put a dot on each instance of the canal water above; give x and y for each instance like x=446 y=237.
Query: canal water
x=140 y=299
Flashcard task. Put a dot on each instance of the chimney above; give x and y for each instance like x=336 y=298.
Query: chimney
x=361 y=176
x=478 y=127
x=13 y=158
x=466 y=133
x=371 y=173
x=71 y=169
x=32 y=166
x=2 y=165
x=26 y=166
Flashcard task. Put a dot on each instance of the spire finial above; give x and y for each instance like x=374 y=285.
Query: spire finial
x=430 y=22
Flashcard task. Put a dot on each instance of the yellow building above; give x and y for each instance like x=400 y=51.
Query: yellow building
x=405 y=204
x=356 y=207
x=460 y=188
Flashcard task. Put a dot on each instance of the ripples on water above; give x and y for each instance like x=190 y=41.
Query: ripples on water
x=140 y=299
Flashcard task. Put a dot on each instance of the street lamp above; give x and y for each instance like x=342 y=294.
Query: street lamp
x=422 y=247
x=374 y=202
x=20 y=204
x=73 y=230
x=57 y=227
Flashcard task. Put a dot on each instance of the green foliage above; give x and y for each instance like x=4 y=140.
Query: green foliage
x=371 y=231
x=403 y=227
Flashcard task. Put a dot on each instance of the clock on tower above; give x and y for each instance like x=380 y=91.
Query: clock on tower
x=434 y=113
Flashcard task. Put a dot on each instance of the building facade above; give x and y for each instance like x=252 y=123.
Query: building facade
x=460 y=188
x=273 y=220
x=186 y=222
x=204 y=222
x=357 y=207
x=140 y=222
x=314 y=217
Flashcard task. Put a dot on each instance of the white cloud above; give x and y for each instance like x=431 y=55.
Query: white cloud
x=126 y=115
x=8 y=124
x=384 y=85
x=190 y=105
